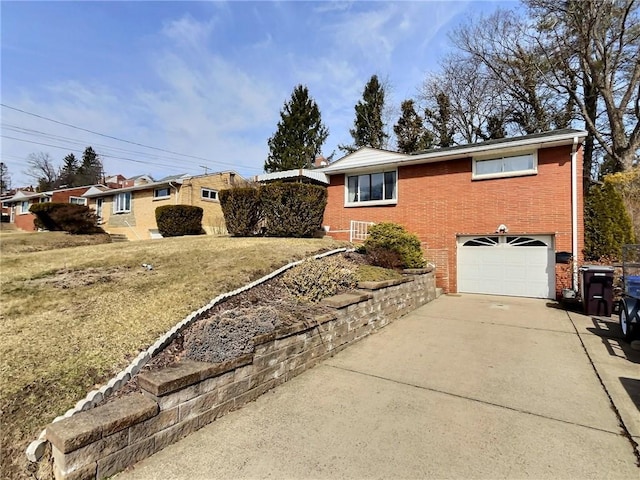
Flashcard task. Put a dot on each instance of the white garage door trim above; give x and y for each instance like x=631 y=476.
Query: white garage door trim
x=512 y=265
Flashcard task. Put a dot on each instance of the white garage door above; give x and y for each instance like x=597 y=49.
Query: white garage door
x=521 y=266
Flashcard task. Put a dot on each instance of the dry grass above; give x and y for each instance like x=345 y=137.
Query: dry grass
x=13 y=241
x=73 y=317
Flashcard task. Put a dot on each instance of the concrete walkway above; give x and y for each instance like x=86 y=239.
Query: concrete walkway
x=464 y=387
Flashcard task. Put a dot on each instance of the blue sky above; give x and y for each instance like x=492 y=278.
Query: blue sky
x=206 y=80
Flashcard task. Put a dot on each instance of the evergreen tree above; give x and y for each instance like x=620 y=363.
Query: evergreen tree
x=441 y=121
x=410 y=133
x=90 y=170
x=69 y=171
x=368 y=126
x=607 y=225
x=299 y=136
x=5 y=178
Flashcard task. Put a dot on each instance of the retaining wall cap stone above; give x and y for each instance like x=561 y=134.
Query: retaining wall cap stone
x=383 y=283
x=346 y=299
x=87 y=427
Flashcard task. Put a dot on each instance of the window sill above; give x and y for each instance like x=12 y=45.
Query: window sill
x=162 y=198
x=491 y=176
x=211 y=200
x=371 y=203
x=122 y=212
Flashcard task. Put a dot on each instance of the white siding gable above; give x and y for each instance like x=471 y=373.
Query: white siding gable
x=365 y=157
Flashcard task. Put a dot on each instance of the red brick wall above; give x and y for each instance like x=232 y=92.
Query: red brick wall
x=62 y=196
x=438 y=201
x=24 y=222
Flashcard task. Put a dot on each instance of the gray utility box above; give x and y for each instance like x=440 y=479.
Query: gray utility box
x=596 y=285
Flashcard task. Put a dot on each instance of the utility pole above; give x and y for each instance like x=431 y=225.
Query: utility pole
x=206 y=169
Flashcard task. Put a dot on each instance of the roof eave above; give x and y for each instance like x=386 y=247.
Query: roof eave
x=471 y=151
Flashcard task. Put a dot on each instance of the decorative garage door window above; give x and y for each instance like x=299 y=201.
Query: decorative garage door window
x=512 y=241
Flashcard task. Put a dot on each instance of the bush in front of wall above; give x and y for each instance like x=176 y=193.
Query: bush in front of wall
x=292 y=209
x=241 y=209
x=389 y=245
x=179 y=220
x=315 y=279
x=65 y=217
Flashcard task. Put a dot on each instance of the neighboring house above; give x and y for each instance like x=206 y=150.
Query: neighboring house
x=20 y=203
x=491 y=215
x=131 y=210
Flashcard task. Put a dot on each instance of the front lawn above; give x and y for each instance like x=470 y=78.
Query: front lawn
x=73 y=317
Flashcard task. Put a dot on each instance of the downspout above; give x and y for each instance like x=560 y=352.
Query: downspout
x=176 y=189
x=574 y=214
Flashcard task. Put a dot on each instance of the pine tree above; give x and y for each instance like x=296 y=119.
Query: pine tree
x=5 y=178
x=299 y=136
x=69 y=171
x=368 y=126
x=410 y=133
x=441 y=120
x=90 y=171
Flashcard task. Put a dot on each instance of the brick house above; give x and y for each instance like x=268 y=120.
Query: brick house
x=491 y=215
x=130 y=210
x=20 y=203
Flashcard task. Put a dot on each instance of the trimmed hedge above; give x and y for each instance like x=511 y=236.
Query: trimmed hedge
x=242 y=210
x=65 y=217
x=292 y=209
x=607 y=225
x=275 y=210
x=179 y=220
x=389 y=245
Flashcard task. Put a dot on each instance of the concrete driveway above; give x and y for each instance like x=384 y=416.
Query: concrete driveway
x=465 y=387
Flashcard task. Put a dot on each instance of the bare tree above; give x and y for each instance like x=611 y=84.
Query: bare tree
x=502 y=44
x=597 y=42
x=41 y=169
x=478 y=111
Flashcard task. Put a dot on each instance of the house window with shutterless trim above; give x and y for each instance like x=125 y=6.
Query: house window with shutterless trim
x=508 y=166
x=159 y=193
x=24 y=207
x=208 y=194
x=379 y=188
x=77 y=201
x=122 y=202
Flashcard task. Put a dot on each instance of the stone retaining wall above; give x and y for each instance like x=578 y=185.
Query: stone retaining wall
x=184 y=397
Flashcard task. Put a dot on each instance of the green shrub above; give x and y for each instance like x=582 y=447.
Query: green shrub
x=65 y=217
x=370 y=273
x=242 y=210
x=389 y=245
x=607 y=225
x=292 y=209
x=179 y=220
x=314 y=280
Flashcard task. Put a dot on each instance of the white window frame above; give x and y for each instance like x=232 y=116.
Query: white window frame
x=44 y=200
x=504 y=159
x=24 y=211
x=119 y=199
x=370 y=203
x=210 y=191
x=156 y=196
x=78 y=201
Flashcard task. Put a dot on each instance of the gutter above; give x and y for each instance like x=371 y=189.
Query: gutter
x=574 y=214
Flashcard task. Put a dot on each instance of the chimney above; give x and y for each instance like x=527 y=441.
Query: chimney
x=320 y=162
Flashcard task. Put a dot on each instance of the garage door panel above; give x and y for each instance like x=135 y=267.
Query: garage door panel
x=517 y=269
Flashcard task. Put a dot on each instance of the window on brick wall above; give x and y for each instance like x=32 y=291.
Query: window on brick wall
x=78 y=200
x=161 y=193
x=122 y=202
x=208 y=194
x=24 y=207
x=508 y=166
x=378 y=188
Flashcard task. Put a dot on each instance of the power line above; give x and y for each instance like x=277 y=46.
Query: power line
x=118 y=139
